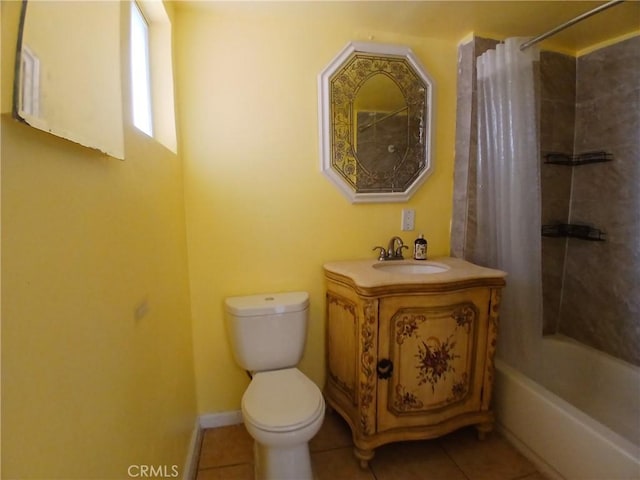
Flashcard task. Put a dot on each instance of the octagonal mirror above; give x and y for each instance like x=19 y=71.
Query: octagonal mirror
x=375 y=122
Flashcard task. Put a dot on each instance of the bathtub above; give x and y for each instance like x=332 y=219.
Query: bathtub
x=586 y=435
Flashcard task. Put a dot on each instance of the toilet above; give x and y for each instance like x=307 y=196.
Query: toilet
x=282 y=409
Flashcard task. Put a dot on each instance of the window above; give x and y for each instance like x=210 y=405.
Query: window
x=140 y=71
x=152 y=72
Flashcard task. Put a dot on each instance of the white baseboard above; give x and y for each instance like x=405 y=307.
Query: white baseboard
x=208 y=420
x=222 y=419
x=193 y=453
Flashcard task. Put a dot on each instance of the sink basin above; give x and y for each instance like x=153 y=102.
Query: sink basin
x=422 y=268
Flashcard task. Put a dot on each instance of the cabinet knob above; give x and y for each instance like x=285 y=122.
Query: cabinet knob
x=384 y=368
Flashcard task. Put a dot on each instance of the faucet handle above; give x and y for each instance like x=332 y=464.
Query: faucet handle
x=399 y=250
x=383 y=253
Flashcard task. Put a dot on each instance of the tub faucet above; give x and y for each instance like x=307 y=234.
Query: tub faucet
x=393 y=250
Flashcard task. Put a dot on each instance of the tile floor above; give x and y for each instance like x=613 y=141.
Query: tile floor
x=226 y=454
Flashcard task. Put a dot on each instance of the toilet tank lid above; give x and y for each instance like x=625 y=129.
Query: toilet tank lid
x=267 y=304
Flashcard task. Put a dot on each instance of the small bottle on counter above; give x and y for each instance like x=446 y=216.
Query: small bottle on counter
x=420 y=248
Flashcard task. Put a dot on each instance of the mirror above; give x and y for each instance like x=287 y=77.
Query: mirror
x=67 y=79
x=375 y=122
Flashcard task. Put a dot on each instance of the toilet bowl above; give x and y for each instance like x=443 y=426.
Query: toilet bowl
x=282 y=409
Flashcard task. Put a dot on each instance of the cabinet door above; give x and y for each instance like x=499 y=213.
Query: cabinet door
x=437 y=345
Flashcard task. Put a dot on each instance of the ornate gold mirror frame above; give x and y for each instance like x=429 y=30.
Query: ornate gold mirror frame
x=376 y=109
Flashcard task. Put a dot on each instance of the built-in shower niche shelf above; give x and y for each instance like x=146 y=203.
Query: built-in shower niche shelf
x=583 y=232
x=556 y=158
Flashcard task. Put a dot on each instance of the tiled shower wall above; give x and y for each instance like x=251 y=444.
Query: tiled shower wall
x=557 y=131
x=591 y=289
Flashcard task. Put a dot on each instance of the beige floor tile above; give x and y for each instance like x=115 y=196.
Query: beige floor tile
x=490 y=459
x=334 y=433
x=420 y=460
x=534 y=476
x=227 y=454
x=338 y=464
x=234 y=472
x=225 y=446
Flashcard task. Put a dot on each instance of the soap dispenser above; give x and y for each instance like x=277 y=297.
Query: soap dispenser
x=420 y=248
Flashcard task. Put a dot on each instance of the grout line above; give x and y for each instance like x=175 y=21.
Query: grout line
x=329 y=449
x=224 y=466
x=453 y=460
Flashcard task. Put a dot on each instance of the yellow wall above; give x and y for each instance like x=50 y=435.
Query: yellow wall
x=261 y=217
x=88 y=390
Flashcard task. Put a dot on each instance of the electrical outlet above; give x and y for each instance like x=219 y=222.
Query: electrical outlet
x=408 y=219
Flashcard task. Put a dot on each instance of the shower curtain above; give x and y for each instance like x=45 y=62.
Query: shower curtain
x=508 y=195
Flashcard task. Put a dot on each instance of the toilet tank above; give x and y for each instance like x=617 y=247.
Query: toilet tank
x=268 y=331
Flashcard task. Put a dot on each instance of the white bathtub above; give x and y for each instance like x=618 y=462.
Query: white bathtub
x=564 y=441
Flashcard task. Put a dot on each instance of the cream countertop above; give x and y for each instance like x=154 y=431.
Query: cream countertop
x=361 y=273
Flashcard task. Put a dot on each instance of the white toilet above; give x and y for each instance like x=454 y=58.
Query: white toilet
x=282 y=408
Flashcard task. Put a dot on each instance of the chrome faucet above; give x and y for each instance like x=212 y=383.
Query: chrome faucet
x=393 y=250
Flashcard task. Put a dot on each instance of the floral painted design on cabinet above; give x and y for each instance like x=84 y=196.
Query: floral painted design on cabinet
x=432 y=349
x=435 y=360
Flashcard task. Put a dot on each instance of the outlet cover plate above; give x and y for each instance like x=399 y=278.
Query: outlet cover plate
x=408 y=219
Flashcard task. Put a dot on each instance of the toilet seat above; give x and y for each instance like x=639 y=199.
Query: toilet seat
x=282 y=400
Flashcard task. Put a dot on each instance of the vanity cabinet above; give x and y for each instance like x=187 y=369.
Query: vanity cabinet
x=410 y=356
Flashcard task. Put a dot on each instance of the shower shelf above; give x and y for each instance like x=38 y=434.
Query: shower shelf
x=557 y=158
x=583 y=232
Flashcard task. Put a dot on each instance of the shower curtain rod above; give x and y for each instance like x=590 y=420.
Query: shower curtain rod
x=573 y=21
